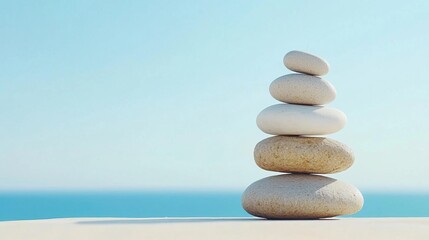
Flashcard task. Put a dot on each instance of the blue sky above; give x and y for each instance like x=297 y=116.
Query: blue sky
x=164 y=94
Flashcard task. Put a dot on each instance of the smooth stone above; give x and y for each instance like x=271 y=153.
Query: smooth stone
x=303 y=155
x=301 y=196
x=303 y=62
x=291 y=119
x=302 y=89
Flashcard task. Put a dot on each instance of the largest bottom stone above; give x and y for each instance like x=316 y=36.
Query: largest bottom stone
x=301 y=196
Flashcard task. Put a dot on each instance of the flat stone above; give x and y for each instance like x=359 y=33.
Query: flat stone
x=216 y=228
x=303 y=62
x=291 y=119
x=303 y=155
x=301 y=196
x=302 y=89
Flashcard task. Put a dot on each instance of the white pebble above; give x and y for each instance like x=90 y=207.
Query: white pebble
x=302 y=62
x=302 y=89
x=291 y=119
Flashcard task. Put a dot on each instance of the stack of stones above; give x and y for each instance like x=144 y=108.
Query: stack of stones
x=299 y=149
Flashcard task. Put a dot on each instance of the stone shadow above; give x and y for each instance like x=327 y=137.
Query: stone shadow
x=187 y=220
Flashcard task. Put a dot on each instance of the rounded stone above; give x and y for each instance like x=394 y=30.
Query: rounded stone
x=301 y=196
x=303 y=62
x=303 y=155
x=302 y=89
x=291 y=119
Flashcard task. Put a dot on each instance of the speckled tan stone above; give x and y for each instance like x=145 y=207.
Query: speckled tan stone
x=303 y=62
x=302 y=89
x=303 y=155
x=301 y=196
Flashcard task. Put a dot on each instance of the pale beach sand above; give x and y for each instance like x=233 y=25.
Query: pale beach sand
x=214 y=228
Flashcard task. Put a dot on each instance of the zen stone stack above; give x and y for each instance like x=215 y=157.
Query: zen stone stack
x=299 y=150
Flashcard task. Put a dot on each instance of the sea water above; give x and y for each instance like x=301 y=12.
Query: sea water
x=41 y=205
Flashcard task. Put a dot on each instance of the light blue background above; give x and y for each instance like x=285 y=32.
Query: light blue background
x=164 y=94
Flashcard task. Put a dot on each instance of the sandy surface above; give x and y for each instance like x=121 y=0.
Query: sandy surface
x=214 y=228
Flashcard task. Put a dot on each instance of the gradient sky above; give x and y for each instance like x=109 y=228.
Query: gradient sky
x=164 y=94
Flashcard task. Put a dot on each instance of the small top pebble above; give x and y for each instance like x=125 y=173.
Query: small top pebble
x=302 y=62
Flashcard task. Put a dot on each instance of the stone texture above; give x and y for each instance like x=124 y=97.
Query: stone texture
x=303 y=62
x=301 y=196
x=291 y=119
x=303 y=155
x=302 y=89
